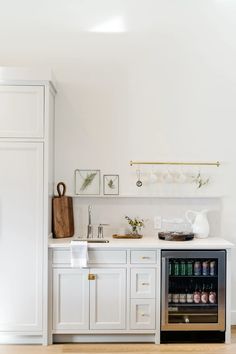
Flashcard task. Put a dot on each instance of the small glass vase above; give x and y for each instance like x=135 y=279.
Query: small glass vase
x=135 y=231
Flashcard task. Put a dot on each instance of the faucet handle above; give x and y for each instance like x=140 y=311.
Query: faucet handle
x=100 y=230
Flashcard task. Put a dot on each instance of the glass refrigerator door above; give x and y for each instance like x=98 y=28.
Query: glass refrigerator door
x=193 y=290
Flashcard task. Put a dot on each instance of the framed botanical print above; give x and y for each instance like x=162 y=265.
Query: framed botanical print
x=87 y=182
x=110 y=184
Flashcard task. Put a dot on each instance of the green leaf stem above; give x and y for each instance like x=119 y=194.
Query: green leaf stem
x=88 y=180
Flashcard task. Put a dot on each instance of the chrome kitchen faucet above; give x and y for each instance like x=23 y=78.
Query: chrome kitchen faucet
x=90 y=226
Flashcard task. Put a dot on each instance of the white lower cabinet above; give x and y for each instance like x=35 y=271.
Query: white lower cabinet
x=142 y=314
x=89 y=299
x=70 y=299
x=143 y=298
x=115 y=295
x=143 y=283
x=108 y=299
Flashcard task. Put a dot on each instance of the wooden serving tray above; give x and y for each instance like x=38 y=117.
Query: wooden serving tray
x=130 y=236
x=176 y=236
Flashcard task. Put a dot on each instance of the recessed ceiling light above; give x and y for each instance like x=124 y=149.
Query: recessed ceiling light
x=114 y=25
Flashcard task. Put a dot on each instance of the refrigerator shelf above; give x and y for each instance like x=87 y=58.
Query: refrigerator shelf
x=194 y=276
x=172 y=304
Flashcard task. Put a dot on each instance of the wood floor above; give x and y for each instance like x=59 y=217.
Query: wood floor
x=140 y=348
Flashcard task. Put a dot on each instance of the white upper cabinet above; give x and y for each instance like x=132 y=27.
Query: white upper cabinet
x=21 y=111
x=26 y=160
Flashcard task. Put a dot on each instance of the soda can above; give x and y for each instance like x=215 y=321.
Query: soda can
x=189 y=270
x=176 y=268
x=182 y=267
x=205 y=268
x=170 y=268
x=197 y=268
x=212 y=268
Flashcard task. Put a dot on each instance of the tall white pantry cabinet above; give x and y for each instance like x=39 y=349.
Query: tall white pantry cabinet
x=26 y=187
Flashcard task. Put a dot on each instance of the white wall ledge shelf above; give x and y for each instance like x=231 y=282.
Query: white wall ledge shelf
x=149 y=196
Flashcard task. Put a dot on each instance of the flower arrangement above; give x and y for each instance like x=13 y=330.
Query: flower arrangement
x=136 y=224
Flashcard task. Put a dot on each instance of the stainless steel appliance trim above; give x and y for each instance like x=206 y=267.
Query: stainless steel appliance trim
x=164 y=297
x=218 y=254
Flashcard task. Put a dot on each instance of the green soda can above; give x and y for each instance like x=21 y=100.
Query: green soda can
x=176 y=267
x=189 y=270
x=182 y=267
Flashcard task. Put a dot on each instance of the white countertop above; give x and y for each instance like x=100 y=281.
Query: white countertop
x=149 y=242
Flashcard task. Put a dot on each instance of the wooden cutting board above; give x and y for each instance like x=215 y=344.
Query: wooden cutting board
x=62 y=213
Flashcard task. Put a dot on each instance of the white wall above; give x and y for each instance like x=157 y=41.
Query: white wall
x=162 y=90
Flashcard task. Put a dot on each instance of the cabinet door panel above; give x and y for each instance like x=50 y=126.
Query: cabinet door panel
x=143 y=282
x=21 y=236
x=142 y=314
x=108 y=299
x=21 y=111
x=70 y=299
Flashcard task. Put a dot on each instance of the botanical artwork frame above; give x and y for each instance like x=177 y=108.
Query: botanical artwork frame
x=87 y=182
x=111 y=184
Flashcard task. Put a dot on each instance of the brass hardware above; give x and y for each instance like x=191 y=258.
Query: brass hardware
x=145 y=257
x=144 y=314
x=145 y=283
x=91 y=276
x=217 y=163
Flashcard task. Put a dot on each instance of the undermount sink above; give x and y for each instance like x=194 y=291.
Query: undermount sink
x=93 y=240
x=99 y=240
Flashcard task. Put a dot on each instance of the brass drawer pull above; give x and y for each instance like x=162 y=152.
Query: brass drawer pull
x=145 y=257
x=91 y=277
x=144 y=314
x=145 y=283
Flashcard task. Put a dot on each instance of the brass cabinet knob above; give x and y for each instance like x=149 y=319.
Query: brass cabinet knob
x=91 y=277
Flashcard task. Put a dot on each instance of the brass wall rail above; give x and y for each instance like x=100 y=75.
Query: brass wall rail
x=217 y=163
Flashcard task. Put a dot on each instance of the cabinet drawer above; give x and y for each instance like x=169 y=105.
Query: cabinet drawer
x=142 y=314
x=143 y=256
x=107 y=257
x=21 y=111
x=143 y=283
x=98 y=257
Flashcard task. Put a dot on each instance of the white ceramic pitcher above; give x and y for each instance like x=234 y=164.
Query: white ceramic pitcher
x=200 y=224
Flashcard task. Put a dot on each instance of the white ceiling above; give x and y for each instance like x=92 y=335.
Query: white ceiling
x=64 y=30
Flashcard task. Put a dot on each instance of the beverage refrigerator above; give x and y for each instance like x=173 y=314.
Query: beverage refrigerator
x=193 y=296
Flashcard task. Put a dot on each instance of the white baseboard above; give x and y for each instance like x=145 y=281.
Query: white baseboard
x=19 y=339
x=103 y=338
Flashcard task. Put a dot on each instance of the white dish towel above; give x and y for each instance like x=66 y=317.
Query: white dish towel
x=79 y=254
